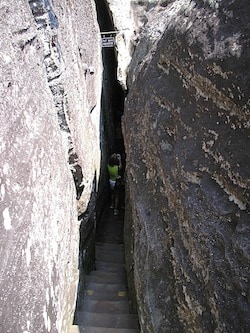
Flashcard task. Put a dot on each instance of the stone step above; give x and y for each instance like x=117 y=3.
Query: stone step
x=107 y=320
x=110 y=246
x=110 y=266
x=106 y=277
x=110 y=257
x=105 y=306
x=107 y=274
x=81 y=329
x=111 y=288
x=100 y=291
x=104 y=295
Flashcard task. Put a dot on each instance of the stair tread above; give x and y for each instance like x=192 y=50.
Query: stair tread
x=103 y=264
x=92 y=329
x=107 y=274
x=109 y=320
x=105 y=306
x=110 y=268
x=112 y=253
x=106 y=279
x=91 y=294
x=109 y=246
x=115 y=287
x=118 y=249
x=111 y=259
x=119 y=252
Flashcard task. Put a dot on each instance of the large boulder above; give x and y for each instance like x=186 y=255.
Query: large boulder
x=49 y=147
x=186 y=127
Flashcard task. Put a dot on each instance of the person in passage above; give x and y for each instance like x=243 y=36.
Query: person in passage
x=114 y=167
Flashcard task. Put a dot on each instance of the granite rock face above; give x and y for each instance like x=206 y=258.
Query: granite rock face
x=120 y=12
x=129 y=19
x=49 y=144
x=186 y=132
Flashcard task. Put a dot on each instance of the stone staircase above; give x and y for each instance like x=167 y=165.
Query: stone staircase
x=105 y=307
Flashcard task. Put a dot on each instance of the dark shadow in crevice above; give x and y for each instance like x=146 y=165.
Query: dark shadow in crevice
x=99 y=221
x=112 y=106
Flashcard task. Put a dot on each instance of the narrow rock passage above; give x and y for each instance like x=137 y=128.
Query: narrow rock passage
x=105 y=306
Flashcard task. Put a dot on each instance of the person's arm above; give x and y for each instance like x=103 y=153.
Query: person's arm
x=119 y=160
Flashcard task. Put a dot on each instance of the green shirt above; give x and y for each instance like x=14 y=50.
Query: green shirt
x=113 y=171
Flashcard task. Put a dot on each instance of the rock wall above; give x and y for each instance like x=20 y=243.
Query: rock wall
x=120 y=14
x=50 y=153
x=186 y=132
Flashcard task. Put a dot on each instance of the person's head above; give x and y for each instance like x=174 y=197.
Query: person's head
x=113 y=160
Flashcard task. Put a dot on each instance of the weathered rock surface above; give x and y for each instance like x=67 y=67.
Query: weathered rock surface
x=129 y=19
x=49 y=129
x=186 y=128
x=120 y=12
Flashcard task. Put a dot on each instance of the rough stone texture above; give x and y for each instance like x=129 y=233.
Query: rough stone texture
x=186 y=128
x=112 y=105
x=120 y=13
x=129 y=18
x=49 y=130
